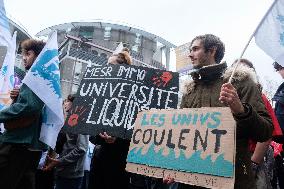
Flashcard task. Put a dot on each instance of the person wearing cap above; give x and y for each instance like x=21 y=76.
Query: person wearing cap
x=278 y=98
x=109 y=157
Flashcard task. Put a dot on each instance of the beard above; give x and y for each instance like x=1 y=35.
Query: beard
x=203 y=61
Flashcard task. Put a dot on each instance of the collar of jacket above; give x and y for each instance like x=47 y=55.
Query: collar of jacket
x=219 y=71
x=209 y=73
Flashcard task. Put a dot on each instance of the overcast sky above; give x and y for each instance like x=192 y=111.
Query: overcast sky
x=177 y=21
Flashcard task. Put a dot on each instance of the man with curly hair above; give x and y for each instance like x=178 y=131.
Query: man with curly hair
x=20 y=148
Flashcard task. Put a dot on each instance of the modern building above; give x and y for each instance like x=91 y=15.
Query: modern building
x=22 y=34
x=91 y=43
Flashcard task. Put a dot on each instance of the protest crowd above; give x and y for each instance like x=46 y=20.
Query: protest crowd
x=42 y=145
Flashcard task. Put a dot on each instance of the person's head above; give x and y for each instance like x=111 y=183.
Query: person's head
x=30 y=50
x=68 y=102
x=245 y=62
x=278 y=68
x=249 y=64
x=112 y=59
x=206 y=50
x=122 y=57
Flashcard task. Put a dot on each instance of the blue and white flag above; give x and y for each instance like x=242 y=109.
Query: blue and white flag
x=270 y=34
x=7 y=69
x=7 y=74
x=43 y=79
x=5 y=35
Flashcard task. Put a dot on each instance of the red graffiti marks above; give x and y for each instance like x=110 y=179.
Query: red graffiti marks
x=74 y=117
x=163 y=79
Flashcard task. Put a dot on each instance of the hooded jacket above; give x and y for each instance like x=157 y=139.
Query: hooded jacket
x=255 y=123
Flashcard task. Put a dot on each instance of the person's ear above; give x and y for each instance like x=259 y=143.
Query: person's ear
x=213 y=51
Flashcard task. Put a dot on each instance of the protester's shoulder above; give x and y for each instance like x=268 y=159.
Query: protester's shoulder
x=186 y=87
x=28 y=94
x=242 y=75
x=281 y=87
x=26 y=90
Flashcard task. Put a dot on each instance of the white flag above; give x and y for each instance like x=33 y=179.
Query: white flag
x=43 y=79
x=7 y=74
x=7 y=69
x=118 y=48
x=270 y=34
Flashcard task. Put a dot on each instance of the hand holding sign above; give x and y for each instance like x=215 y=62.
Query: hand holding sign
x=14 y=93
x=107 y=138
x=168 y=179
x=51 y=163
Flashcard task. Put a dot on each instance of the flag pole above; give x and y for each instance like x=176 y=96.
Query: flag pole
x=237 y=64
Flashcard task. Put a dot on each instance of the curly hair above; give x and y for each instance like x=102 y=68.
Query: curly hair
x=210 y=41
x=33 y=45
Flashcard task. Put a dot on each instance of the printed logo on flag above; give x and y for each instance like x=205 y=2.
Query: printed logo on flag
x=281 y=20
x=47 y=68
x=269 y=35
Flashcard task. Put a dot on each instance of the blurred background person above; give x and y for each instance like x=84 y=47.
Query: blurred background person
x=70 y=163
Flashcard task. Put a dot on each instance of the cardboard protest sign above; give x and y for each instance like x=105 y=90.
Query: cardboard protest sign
x=109 y=98
x=195 y=146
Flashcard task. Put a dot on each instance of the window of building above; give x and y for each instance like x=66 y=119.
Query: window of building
x=95 y=52
x=74 y=88
x=103 y=55
x=78 y=70
x=86 y=32
x=107 y=33
x=137 y=43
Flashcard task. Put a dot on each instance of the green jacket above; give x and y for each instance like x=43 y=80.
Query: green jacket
x=204 y=91
x=25 y=117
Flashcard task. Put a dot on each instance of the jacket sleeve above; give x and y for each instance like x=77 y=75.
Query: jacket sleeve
x=256 y=124
x=277 y=130
x=97 y=140
x=79 y=151
x=27 y=104
x=182 y=104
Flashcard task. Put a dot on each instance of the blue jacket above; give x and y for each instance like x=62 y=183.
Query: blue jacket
x=279 y=106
